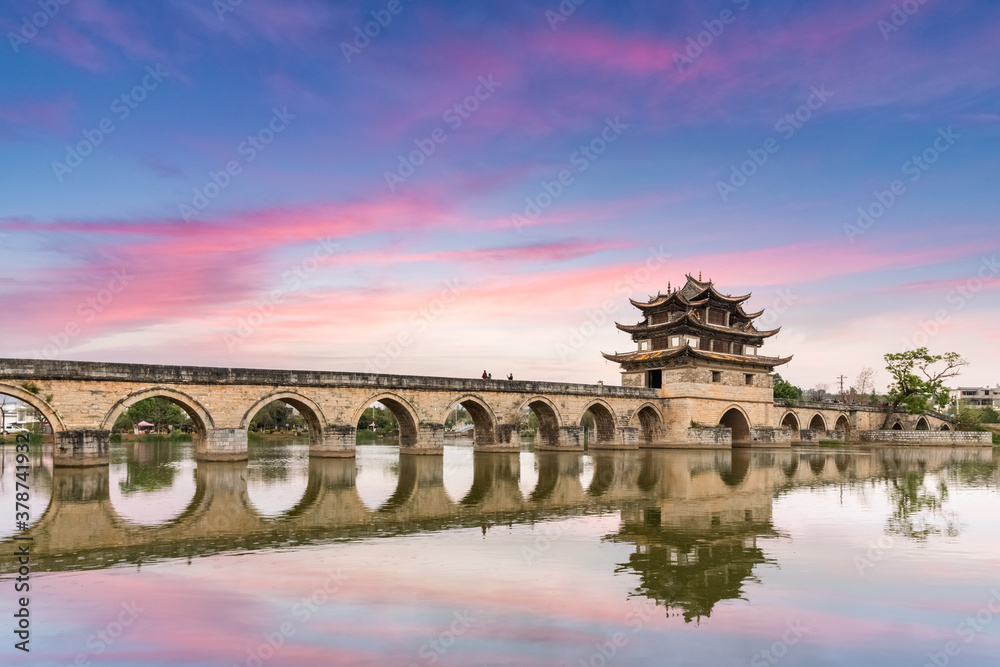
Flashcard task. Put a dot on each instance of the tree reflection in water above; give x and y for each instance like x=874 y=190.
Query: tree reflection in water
x=917 y=510
x=150 y=466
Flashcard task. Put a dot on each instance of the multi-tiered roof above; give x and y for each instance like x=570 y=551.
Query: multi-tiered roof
x=695 y=321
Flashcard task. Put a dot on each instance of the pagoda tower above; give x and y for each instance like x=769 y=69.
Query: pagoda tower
x=700 y=348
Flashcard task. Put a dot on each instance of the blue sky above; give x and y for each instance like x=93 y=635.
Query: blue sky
x=284 y=193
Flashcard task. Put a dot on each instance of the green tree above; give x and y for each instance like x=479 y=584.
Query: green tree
x=966 y=418
x=385 y=421
x=785 y=389
x=989 y=416
x=918 y=380
x=274 y=415
x=156 y=410
x=458 y=416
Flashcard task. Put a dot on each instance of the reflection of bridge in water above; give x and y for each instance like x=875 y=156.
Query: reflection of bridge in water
x=693 y=516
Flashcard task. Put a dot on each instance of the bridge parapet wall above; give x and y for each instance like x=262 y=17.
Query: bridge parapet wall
x=929 y=438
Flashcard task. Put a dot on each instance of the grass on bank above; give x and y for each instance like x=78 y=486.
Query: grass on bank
x=176 y=436
x=36 y=439
x=833 y=444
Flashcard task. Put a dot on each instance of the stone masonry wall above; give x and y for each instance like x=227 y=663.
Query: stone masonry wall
x=932 y=438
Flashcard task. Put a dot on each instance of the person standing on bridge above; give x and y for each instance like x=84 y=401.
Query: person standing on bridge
x=485 y=375
x=510 y=376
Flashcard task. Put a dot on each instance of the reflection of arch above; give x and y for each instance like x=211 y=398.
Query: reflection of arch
x=790 y=421
x=922 y=424
x=897 y=427
x=650 y=422
x=199 y=415
x=945 y=427
x=604 y=420
x=37 y=403
x=738 y=469
x=738 y=422
x=483 y=419
x=311 y=413
x=817 y=463
x=548 y=419
x=843 y=424
x=817 y=423
x=401 y=409
x=792 y=465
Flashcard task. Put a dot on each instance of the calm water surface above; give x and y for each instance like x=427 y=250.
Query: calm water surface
x=884 y=556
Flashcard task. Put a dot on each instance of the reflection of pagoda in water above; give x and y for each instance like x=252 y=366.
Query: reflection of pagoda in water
x=692 y=569
x=699 y=544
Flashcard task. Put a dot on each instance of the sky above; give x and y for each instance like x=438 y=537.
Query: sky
x=439 y=188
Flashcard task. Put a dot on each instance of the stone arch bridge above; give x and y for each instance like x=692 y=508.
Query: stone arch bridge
x=82 y=401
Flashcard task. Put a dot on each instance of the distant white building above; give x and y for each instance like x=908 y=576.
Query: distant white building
x=16 y=413
x=977 y=397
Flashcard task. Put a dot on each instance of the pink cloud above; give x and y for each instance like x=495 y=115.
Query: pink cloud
x=51 y=116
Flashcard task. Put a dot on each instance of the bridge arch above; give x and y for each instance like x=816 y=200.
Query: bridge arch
x=817 y=423
x=605 y=423
x=405 y=414
x=199 y=415
x=649 y=419
x=945 y=427
x=484 y=420
x=737 y=420
x=790 y=421
x=549 y=419
x=922 y=424
x=37 y=403
x=310 y=411
x=843 y=424
x=897 y=426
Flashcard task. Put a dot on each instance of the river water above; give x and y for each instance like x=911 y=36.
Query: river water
x=881 y=556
